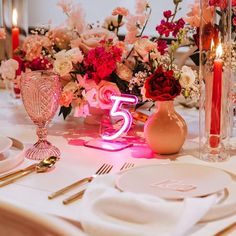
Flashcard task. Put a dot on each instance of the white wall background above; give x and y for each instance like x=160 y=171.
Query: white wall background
x=42 y=11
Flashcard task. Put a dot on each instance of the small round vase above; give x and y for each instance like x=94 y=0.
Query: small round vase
x=165 y=131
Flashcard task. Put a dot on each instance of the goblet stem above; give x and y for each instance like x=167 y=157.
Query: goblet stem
x=42 y=148
x=42 y=132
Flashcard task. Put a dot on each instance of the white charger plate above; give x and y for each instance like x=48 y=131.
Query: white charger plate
x=173 y=181
x=5 y=143
x=13 y=156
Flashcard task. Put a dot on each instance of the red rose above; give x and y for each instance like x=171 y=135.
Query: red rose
x=162 y=86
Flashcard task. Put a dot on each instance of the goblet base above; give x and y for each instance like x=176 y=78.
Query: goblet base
x=42 y=149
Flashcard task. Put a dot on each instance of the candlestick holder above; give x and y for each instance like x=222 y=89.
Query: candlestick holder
x=215 y=79
x=6 y=11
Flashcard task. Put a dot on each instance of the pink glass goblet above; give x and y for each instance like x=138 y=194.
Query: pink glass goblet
x=41 y=91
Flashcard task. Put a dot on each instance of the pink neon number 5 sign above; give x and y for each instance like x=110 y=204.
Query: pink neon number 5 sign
x=117 y=110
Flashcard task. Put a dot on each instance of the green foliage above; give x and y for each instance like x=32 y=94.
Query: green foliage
x=65 y=111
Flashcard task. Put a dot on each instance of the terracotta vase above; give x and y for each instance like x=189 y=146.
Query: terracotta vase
x=165 y=131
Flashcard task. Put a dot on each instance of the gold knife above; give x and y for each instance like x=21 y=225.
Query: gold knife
x=20 y=175
x=17 y=172
x=74 y=197
x=67 y=188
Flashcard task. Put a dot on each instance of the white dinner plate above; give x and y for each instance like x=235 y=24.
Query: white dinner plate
x=173 y=181
x=224 y=208
x=5 y=144
x=12 y=157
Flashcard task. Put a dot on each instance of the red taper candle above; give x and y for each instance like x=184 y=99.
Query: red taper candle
x=216 y=99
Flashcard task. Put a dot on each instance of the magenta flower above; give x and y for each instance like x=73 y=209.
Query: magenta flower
x=167 y=14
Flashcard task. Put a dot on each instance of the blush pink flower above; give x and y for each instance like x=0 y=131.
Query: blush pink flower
x=105 y=91
x=76 y=18
x=33 y=45
x=141 y=6
x=65 y=5
x=2 y=33
x=193 y=17
x=120 y=11
x=131 y=25
x=66 y=98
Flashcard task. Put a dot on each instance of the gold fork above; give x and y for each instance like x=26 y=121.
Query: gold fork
x=105 y=168
x=80 y=194
x=127 y=165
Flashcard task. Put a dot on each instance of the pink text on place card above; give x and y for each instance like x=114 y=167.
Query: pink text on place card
x=176 y=185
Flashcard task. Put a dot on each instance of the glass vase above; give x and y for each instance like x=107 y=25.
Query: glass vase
x=215 y=80
x=165 y=131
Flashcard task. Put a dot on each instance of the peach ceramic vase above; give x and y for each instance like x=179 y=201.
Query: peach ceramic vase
x=165 y=131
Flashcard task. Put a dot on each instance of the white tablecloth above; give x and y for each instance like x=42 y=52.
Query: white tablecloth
x=79 y=161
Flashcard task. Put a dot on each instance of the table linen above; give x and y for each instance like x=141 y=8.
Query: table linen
x=78 y=162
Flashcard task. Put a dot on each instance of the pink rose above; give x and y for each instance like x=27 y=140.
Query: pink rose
x=66 y=98
x=33 y=45
x=92 y=38
x=105 y=91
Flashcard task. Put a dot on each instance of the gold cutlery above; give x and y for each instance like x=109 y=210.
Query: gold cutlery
x=17 y=172
x=228 y=230
x=80 y=194
x=104 y=169
x=127 y=165
x=42 y=166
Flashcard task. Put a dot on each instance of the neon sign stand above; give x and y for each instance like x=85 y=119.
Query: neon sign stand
x=107 y=142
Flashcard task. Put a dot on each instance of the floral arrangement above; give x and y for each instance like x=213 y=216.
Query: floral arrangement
x=96 y=61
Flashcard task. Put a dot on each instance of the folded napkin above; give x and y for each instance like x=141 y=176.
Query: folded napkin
x=106 y=211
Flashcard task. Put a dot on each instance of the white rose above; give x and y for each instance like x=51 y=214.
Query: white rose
x=62 y=66
x=75 y=55
x=71 y=87
x=187 y=78
x=8 y=69
x=60 y=54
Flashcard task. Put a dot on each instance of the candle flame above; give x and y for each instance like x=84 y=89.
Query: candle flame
x=14 y=17
x=219 y=51
x=212 y=44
